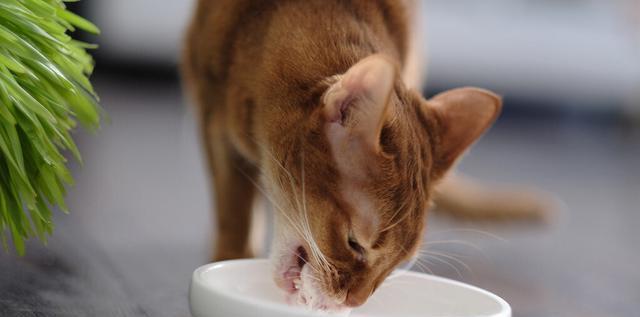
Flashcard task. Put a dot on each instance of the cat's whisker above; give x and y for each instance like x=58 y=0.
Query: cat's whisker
x=424 y=255
x=416 y=264
x=316 y=249
x=295 y=224
x=416 y=260
x=286 y=214
x=411 y=263
x=433 y=249
x=449 y=256
x=454 y=242
x=472 y=246
x=310 y=276
x=305 y=230
x=281 y=166
x=471 y=230
x=275 y=204
x=455 y=268
x=426 y=263
x=303 y=234
x=310 y=264
x=301 y=230
x=286 y=172
x=424 y=266
x=395 y=214
x=314 y=278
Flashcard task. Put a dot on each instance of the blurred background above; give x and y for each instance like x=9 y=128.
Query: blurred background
x=570 y=74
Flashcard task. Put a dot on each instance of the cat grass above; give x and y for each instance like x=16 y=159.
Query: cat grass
x=44 y=91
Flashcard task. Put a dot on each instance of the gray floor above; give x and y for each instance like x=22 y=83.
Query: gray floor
x=140 y=221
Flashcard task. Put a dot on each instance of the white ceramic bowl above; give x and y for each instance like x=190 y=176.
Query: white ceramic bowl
x=244 y=288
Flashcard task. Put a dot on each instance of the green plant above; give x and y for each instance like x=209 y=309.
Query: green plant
x=44 y=89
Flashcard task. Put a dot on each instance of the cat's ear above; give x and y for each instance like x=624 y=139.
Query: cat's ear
x=462 y=116
x=357 y=103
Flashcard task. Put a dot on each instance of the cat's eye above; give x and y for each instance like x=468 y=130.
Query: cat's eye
x=355 y=246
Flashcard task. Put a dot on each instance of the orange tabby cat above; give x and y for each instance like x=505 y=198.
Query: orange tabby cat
x=305 y=101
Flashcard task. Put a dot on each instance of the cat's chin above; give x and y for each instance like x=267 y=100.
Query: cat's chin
x=308 y=294
x=296 y=278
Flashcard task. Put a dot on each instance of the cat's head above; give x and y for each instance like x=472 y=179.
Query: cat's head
x=352 y=194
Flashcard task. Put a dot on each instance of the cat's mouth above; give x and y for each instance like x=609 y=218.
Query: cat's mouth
x=293 y=275
x=301 y=286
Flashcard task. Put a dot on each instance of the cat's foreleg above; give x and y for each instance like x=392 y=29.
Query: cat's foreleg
x=234 y=193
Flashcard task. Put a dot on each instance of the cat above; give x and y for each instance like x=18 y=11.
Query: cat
x=313 y=104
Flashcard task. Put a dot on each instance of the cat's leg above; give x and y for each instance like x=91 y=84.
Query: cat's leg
x=233 y=192
x=463 y=197
x=259 y=226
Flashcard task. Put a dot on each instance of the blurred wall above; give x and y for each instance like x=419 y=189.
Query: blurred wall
x=584 y=53
x=145 y=31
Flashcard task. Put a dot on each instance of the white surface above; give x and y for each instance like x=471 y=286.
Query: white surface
x=244 y=288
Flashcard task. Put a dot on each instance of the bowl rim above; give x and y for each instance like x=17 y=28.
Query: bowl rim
x=279 y=308
x=256 y=302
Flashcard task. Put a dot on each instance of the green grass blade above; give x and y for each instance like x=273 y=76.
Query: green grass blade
x=44 y=90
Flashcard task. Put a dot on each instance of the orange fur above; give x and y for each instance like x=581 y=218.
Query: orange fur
x=303 y=100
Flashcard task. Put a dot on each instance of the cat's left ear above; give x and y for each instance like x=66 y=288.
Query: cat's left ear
x=357 y=104
x=461 y=116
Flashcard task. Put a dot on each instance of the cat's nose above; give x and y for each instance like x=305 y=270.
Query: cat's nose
x=356 y=298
